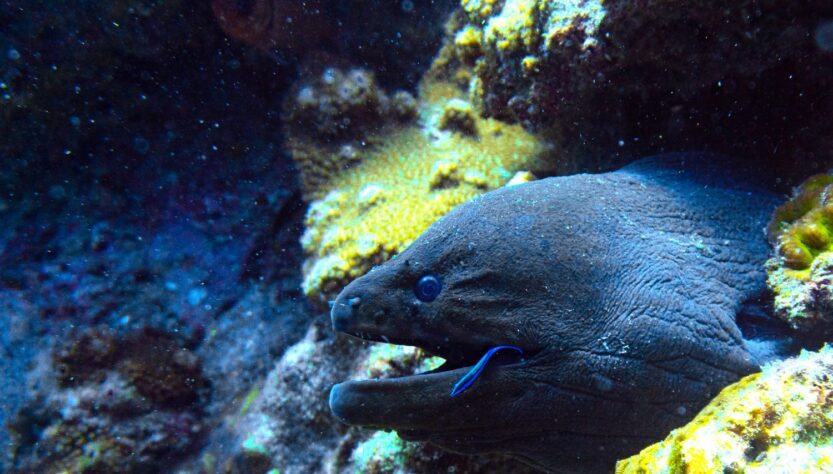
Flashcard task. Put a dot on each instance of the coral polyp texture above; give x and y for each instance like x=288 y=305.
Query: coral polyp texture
x=801 y=273
x=778 y=420
x=380 y=169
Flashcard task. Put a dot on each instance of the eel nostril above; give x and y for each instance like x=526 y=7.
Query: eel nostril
x=343 y=312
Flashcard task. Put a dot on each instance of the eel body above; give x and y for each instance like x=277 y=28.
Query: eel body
x=621 y=289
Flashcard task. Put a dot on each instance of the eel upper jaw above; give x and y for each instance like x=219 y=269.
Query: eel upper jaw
x=456 y=352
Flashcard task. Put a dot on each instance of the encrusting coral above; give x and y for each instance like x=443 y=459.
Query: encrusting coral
x=801 y=273
x=380 y=169
x=781 y=418
x=537 y=59
x=614 y=79
x=511 y=43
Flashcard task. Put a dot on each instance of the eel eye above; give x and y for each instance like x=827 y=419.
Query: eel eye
x=428 y=288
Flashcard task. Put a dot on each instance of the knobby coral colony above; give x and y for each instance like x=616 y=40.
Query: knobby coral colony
x=801 y=274
x=379 y=170
x=511 y=43
x=777 y=420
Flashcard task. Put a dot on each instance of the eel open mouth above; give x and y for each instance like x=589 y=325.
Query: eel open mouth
x=407 y=402
x=456 y=355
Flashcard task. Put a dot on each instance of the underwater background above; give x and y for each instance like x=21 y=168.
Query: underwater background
x=185 y=185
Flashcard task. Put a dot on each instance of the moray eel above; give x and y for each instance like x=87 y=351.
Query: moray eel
x=622 y=290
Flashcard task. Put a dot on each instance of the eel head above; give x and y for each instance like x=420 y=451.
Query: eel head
x=591 y=387
x=437 y=296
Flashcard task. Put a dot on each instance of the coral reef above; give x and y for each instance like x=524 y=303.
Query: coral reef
x=801 y=273
x=615 y=79
x=192 y=258
x=178 y=236
x=121 y=404
x=400 y=177
x=779 y=418
x=388 y=360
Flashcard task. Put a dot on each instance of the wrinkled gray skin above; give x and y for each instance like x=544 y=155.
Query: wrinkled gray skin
x=621 y=288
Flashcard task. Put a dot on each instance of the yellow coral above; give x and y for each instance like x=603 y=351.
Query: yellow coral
x=467 y=43
x=532 y=26
x=801 y=275
x=458 y=116
x=529 y=64
x=514 y=27
x=782 y=417
x=479 y=10
x=412 y=176
x=520 y=178
x=803 y=225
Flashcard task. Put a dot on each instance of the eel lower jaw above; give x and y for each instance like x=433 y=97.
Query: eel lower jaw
x=404 y=402
x=382 y=402
x=411 y=402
